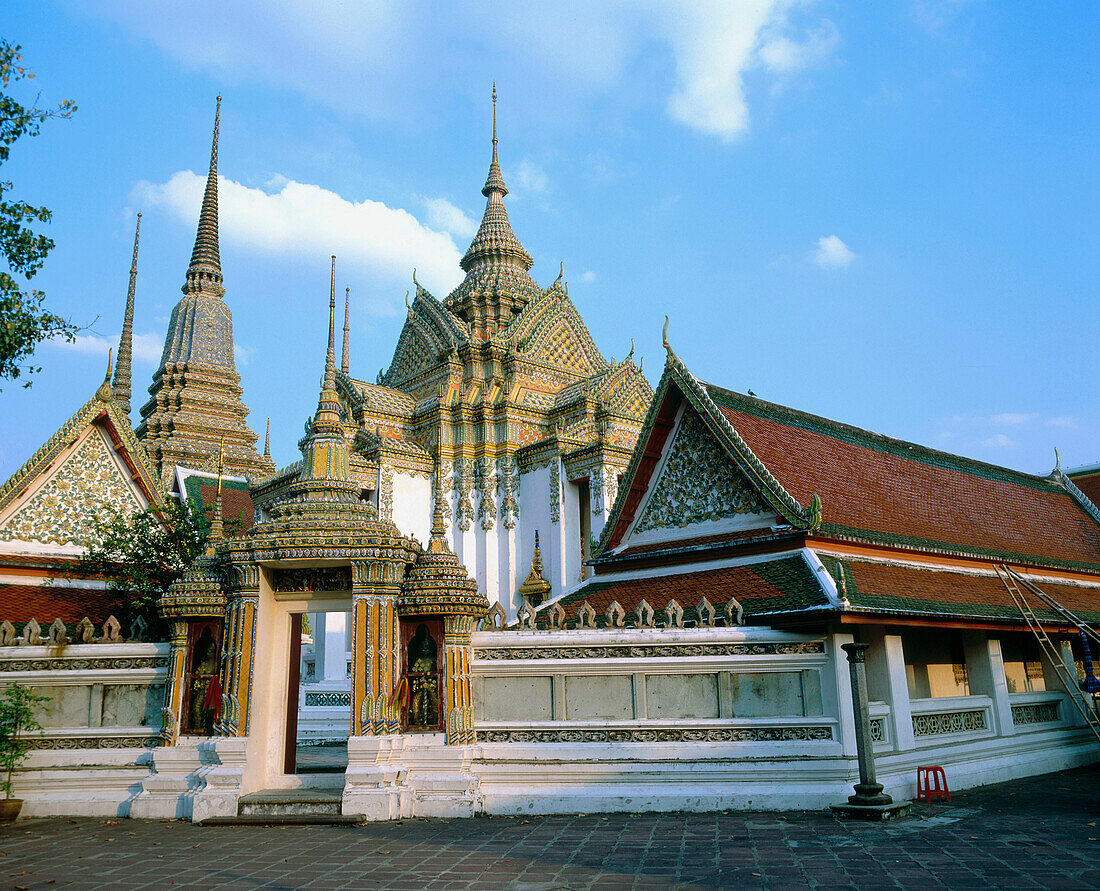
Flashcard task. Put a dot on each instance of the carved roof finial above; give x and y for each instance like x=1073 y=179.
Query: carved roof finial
x=630 y=355
x=664 y=334
x=104 y=393
x=535 y=588
x=121 y=385
x=205 y=272
x=217 y=524
x=345 y=362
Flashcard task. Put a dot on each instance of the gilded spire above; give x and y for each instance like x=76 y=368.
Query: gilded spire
x=217 y=524
x=497 y=283
x=267 y=440
x=495 y=182
x=121 y=385
x=344 y=364
x=104 y=393
x=328 y=406
x=205 y=272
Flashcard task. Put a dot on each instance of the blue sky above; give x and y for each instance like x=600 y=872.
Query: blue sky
x=881 y=213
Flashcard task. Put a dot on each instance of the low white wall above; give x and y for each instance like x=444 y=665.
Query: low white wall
x=99 y=727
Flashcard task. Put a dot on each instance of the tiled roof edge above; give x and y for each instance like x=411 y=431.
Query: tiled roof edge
x=792 y=417
x=868 y=536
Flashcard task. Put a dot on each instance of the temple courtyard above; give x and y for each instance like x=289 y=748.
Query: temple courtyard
x=1036 y=832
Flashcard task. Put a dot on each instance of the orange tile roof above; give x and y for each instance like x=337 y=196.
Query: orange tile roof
x=44 y=603
x=884 y=586
x=894 y=492
x=773 y=586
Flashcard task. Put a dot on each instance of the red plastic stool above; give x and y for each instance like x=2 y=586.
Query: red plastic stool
x=931 y=783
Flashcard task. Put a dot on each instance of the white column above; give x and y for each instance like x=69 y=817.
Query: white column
x=886 y=681
x=986 y=671
x=841 y=694
x=332 y=663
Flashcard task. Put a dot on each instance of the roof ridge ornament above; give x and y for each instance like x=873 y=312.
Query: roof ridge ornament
x=104 y=393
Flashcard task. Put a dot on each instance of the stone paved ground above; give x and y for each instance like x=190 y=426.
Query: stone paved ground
x=1040 y=832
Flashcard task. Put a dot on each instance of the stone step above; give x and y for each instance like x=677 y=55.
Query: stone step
x=295 y=803
x=283 y=820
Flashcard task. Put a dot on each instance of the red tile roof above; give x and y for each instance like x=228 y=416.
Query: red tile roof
x=44 y=603
x=1089 y=484
x=772 y=586
x=883 y=586
x=896 y=492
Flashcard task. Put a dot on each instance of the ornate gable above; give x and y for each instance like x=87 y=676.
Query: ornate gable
x=430 y=332
x=698 y=483
x=91 y=465
x=625 y=391
x=551 y=331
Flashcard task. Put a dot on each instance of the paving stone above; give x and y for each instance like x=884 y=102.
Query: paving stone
x=1027 y=833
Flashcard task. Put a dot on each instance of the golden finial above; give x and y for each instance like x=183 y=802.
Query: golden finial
x=217 y=526
x=1057 y=461
x=407 y=306
x=105 y=393
x=494 y=120
x=415 y=282
x=664 y=334
x=630 y=355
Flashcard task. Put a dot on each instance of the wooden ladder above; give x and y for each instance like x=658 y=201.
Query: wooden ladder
x=1012 y=581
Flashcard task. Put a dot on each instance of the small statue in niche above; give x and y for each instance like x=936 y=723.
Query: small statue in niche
x=203 y=669
x=424 y=702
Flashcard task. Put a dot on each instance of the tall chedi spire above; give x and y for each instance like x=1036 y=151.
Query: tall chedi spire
x=196 y=391
x=347 y=308
x=121 y=384
x=497 y=284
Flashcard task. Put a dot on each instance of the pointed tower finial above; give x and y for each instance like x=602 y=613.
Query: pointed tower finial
x=345 y=363
x=121 y=385
x=330 y=358
x=439 y=529
x=267 y=440
x=104 y=393
x=217 y=524
x=495 y=183
x=205 y=272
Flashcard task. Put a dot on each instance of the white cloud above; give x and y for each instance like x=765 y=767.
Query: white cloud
x=446 y=217
x=147 y=348
x=241 y=354
x=783 y=55
x=307 y=220
x=588 y=276
x=323 y=50
x=832 y=253
x=1063 y=421
x=530 y=177
x=997 y=441
x=1014 y=418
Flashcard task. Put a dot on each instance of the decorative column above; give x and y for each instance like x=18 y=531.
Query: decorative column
x=986 y=670
x=374 y=666
x=238 y=652
x=173 y=688
x=460 y=710
x=869 y=801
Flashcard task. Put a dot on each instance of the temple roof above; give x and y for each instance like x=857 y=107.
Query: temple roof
x=894 y=492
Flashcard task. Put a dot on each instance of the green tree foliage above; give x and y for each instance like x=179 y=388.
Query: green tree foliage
x=17 y=720
x=24 y=321
x=141 y=554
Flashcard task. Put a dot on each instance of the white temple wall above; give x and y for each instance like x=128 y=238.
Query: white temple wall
x=534 y=514
x=413 y=505
x=99 y=726
x=570 y=526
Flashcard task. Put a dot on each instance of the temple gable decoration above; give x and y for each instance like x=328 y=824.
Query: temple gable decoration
x=699 y=483
x=91 y=465
x=679 y=493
